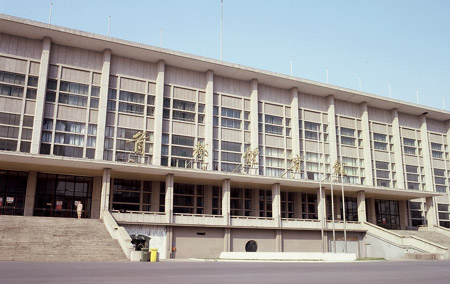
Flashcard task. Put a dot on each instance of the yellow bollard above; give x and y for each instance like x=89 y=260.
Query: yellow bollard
x=153 y=255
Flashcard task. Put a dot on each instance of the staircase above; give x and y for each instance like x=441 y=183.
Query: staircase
x=56 y=239
x=430 y=236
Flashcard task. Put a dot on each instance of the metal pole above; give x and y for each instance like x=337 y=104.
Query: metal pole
x=221 y=30
x=161 y=38
x=321 y=190
x=109 y=26
x=50 y=13
x=417 y=95
x=332 y=214
x=343 y=197
x=389 y=85
x=359 y=78
x=327 y=75
x=291 y=67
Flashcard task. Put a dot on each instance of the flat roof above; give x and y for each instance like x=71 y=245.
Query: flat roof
x=85 y=40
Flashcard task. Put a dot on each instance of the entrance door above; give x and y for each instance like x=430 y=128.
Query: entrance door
x=58 y=195
x=13 y=188
x=387 y=214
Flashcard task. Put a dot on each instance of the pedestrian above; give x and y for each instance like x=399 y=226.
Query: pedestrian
x=79 y=209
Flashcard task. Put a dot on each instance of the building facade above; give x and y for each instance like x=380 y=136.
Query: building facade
x=116 y=125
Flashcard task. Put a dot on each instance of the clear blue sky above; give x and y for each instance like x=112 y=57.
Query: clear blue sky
x=404 y=42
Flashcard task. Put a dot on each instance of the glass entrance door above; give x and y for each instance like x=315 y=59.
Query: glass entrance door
x=13 y=188
x=387 y=214
x=58 y=195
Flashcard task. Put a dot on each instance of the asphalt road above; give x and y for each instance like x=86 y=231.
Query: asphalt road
x=432 y=272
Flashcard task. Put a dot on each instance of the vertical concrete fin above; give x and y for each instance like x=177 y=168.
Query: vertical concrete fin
x=102 y=105
x=40 y=96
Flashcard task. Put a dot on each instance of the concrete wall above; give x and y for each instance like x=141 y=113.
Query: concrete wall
x=197 y=242
x=265 y=239
x=374 y=247
x=156 y=233
x=302 y=241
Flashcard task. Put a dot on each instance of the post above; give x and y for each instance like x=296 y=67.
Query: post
x=169 y=198
x=106 y=188
x=30 y=194
x=332 y=214
x=343 y=195
x=361 y=203
x=226 y=201
x=276 y=204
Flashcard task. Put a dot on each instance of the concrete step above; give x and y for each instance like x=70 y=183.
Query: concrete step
x=56 y=239
x=431 y=236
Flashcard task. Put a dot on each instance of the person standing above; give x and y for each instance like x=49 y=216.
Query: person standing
x=79 y=209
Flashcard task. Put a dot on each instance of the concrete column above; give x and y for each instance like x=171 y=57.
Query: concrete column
x=397 y=150
x=226 y=201
x=295 y=124
x=209 y=114
x=321 y=204
x=430 y=212
x=429 y=184
x=30 y=195
x=276 y=204
x=40 y=96
x=337 y=207
x=96 y=197
x=103 y=105
x=155 y=195
x=372 y=216
x=227 y=240
x=254 y=135
x=332 y=130
x=208 y=199
x=106 y=188
x=169 y=242
x=298 y=205
x=366 y=143
x=159 y=103
x=255 y=202
x=403 y=214
x=361 y=203
x=169 y=198
x=278 y=241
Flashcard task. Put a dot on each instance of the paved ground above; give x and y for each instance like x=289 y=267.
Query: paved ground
x=385 y=272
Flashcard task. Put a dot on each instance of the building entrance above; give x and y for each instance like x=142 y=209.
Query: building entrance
x=58 y=195
x=13 y=188
x=387 y=214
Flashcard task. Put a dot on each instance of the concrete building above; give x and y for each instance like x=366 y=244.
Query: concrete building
x=75 y=107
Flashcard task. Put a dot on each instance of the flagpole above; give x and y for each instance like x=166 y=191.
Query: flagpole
x=221 y=29
x=321 y=190
x=343 y=198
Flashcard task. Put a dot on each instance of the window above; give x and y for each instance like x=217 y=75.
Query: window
x=131 y=97
x=232 y=123
x=274 y=119
x=347 y=141
x=74 y=88
x=182 y=140
x=436 y=150
x=231 y=146
x=379 y=137
x=347 y=132
x=131 y=108
x=274 y=129
x=12 y=78
x=183 y=105
x=232 y=113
